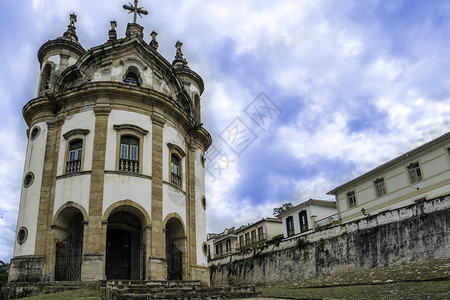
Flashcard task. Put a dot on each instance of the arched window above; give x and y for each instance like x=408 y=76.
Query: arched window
x=129 y=154
x=74 y=160
x=175 y=170
x=197 y=107
x=132 y=76
x=45 y=78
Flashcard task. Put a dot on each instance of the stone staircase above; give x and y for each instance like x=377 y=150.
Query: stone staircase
x=183 y=290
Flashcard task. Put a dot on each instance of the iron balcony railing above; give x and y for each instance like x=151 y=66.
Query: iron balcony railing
x=129 y=165
x=73 y=166
x=176 y=180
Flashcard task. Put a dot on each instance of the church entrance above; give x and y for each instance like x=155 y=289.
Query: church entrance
x=69 y=246
x=125 y=251
x=175 y=247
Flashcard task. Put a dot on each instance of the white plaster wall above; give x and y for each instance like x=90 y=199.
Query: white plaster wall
x=83 y=120
x=73 y=188
x=171 y=135
x=273 y=229
x=174 y=201
x=30 y=197
x=126 y=187
x=321 y=212
x=119 y=117
x=200 y=212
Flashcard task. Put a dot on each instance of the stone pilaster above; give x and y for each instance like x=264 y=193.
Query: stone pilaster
x=157 y=266
x=190 y=209
x=94 y=248
x=45 y=245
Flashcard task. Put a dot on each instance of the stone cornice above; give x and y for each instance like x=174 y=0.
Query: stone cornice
x=138 y=129
x=176 y=148
x=58 y=46
x=72 y=132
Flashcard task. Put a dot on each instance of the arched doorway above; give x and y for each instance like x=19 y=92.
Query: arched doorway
x=125 y=250
x=68 y=231
x=175 y=247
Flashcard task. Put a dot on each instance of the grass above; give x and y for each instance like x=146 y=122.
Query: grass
x=400 y=290
x=69 y=295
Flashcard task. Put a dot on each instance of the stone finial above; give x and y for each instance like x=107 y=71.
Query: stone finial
x=70 y=33
x=112 y=32
x=179 y=59
x=154 y=43
x=73 y=19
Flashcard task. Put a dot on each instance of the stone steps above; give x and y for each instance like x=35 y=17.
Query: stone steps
x=183 y=290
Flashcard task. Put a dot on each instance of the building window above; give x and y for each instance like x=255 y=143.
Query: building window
x=35 y=133
x=217 y=249
x=241 y=241
x=380 y=187
x=351 y=197
x=175 y=170
x=22 y=235
x=260 y=234
x=129 y=154
x=228 y=245
x=129 y=147
x=290 y=226
x=415 y=174
x=73 y=163
x=132 y=76
x=28 y=180
x=203 y=202
x=205 y=248
x=303 y=221
x=254 y=236
x=247 y=239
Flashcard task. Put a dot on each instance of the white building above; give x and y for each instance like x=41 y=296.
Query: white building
x=114 y=171
x=222 y=244
x=258 y=233
x=308 y=216
x=420 y=174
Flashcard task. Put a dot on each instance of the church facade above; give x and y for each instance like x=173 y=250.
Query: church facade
x=114 y=173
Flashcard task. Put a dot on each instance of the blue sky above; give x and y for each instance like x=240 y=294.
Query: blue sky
x=348 y=85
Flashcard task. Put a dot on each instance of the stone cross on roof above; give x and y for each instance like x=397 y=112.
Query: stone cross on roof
x=135 y=9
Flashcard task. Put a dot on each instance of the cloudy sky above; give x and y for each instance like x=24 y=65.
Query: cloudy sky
x=301 y=96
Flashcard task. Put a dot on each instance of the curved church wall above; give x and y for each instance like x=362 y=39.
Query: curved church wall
x=200 y=214
x=30 y=196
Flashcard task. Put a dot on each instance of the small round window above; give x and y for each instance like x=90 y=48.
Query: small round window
x=205 y=248
x=28 y=180
x=35 y=132
x=204 y=202
x=22 y=235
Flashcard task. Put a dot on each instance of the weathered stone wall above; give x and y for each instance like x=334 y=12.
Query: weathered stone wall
x=409 y=234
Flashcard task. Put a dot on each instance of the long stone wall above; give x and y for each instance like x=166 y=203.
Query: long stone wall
x=409 y=234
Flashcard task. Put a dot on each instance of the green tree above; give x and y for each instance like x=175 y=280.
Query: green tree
x=4 y=269
x=283 y=208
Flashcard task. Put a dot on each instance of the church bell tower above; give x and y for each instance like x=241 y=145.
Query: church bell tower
x=113 y=184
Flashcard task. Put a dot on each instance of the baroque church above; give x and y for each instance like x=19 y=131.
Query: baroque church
x=113 y=182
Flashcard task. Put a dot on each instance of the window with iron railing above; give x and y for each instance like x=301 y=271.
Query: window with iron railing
x=73 y=163
x=175 y=170
x=129 y=154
